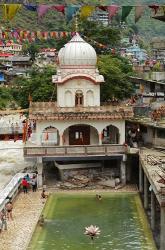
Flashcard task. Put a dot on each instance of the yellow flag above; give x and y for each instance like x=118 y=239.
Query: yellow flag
x=86 y=11
x=10 y=10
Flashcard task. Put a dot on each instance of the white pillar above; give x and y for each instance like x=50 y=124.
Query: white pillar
x=123 y=171
x=140 y=178
x=146 y=186
x=100 y=138
x=153 y=210
x=40 y=172
x=122 y=134
x=61 y=139
x=162 y=228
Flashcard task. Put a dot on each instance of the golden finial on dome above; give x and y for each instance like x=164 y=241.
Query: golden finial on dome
x=76 y=23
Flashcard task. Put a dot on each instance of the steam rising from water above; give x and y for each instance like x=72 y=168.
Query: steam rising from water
x=11 y=160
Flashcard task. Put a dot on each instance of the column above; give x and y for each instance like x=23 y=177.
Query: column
x=100 y=138
x=61 y=139
x=162 y=228
x=153 y=210
x=40 y=172
x=146 y=186
x=141 y=186
x=123 y=172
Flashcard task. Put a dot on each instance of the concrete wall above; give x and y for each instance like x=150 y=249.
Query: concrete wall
x=148 y=137
x=66 y=93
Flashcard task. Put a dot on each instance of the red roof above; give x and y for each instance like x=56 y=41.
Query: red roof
x=5 y=54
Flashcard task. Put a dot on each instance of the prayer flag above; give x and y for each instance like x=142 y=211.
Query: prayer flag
x=86 y=11
x=112 y=10
x=163 y=9
x=10 y=10
x=42 y=10
x=125 y=12
x=30 y=7
x=154 y=8
x=139 y=10
x=104 y=8
x=71 y=11
x=59 y=8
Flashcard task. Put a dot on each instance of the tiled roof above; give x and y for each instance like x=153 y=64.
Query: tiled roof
x=49 y=111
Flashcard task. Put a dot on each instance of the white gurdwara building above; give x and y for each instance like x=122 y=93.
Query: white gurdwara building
x=77 y=118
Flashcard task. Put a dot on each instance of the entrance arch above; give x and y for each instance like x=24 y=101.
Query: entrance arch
x=110 y=135
x=81 y=134
x=50 y=136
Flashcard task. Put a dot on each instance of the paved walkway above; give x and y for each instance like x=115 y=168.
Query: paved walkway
x=26 y=211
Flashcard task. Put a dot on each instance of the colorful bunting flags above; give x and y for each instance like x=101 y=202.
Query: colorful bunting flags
x=71 y=11
x=154 y=8
x=30 y=7
x=112 y=11
x=139 y=10
x=125 y=12
x=10 y=10
x=59 y=8
x=86 y=11
x=42 y=10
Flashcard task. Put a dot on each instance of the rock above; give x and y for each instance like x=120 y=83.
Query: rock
x=107 y=183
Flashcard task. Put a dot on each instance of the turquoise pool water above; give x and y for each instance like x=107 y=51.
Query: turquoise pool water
x=120 y=218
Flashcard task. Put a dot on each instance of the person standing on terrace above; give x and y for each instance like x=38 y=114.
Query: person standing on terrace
x=25 y=185
x=9 y=208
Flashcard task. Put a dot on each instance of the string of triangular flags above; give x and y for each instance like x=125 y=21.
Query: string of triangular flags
x=84 y=11
x=21 y=36
x=8 y=37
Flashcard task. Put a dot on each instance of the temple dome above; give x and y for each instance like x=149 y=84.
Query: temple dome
x=77 y=52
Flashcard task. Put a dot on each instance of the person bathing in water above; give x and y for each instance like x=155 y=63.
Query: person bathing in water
x=98 y=197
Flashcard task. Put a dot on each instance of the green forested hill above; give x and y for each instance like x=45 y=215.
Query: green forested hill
x=55 y=21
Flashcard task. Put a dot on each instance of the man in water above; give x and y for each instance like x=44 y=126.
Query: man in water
x=98 y=197
x=41 y=220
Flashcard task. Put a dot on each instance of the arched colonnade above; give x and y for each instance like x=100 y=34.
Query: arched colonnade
x=79 y=134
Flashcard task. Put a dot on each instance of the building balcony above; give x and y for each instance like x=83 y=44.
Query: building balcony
x=73 y=151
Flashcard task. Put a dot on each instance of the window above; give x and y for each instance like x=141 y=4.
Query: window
x=78 y=135
x=143 y=129
x=79 y=99
x=161 y=133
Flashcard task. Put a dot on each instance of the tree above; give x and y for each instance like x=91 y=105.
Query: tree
x=115 y=70
x=98 y=33
x=39 y=86
x=32 y=50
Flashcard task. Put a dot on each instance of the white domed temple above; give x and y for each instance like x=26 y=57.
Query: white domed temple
x=77 y=125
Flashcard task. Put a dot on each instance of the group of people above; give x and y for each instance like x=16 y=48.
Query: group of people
x=28 y=182
x=5 y=214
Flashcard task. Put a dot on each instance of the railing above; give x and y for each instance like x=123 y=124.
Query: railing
x=11 y=189
x=162 y=192
x=10 y=130
x=86 y=150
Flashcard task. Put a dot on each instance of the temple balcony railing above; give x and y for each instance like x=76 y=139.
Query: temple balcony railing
x=10 y=130
x=76 y=150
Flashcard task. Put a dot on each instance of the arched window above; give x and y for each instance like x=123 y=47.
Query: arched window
x=79 y=98
x=90 y=98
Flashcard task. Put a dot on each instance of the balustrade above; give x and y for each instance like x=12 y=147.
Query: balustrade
x=74 y=150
